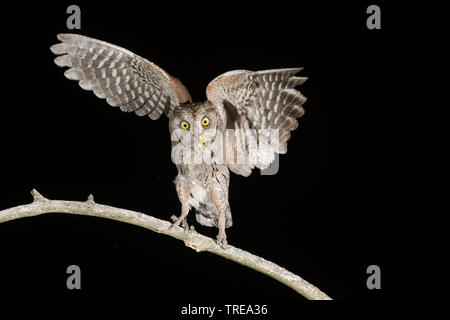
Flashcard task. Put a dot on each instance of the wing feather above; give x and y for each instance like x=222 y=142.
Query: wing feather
x=121 y=77
x=262 y=101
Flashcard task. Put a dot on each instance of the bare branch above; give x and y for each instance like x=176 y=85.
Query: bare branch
x=191 y=238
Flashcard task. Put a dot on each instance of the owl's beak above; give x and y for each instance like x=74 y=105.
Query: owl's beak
x=202 y=141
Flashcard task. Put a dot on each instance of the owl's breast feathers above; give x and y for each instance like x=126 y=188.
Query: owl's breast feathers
x=204 y=176
x=202 y=180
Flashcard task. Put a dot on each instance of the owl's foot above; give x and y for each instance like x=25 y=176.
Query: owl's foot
x=221 y=239
x=185 y=225
x=177 y=221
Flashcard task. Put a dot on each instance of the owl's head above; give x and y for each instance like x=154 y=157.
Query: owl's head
x=200 y=121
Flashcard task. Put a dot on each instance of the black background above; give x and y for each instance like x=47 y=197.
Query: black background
x=349 y=193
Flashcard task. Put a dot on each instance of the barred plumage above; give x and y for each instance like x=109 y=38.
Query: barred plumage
x=123 y=78
x=266 y=100
x=250 y=103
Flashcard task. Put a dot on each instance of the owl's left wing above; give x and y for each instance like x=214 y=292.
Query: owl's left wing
x=262 y=101
x=122 y=77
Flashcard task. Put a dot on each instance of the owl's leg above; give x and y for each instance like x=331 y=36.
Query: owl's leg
x=183 y=195
x=219 y=198
x=222 y=236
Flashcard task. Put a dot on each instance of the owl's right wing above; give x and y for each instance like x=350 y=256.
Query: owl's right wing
x=256 y=104
x=122 y=77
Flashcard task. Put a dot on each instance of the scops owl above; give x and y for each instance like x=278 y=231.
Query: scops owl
x=246 y=119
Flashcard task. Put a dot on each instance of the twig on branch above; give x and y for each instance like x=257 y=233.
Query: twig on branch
x=191 y=238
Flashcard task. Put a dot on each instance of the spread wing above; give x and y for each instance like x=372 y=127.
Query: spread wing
x=122 y=77
x=256 y=105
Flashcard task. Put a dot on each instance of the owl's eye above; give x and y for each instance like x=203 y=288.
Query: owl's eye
x=184 y=125
x=205 y=121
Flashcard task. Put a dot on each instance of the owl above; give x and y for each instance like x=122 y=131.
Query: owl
x=246 y=119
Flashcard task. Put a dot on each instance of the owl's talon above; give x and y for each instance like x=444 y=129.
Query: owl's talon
x=174 y=224
x=221 y=240
x=177 y=222
x=185 y=225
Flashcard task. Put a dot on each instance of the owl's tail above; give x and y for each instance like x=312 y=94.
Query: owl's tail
x=208 y=216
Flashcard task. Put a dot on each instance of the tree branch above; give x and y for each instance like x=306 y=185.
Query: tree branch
x=191 y=238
